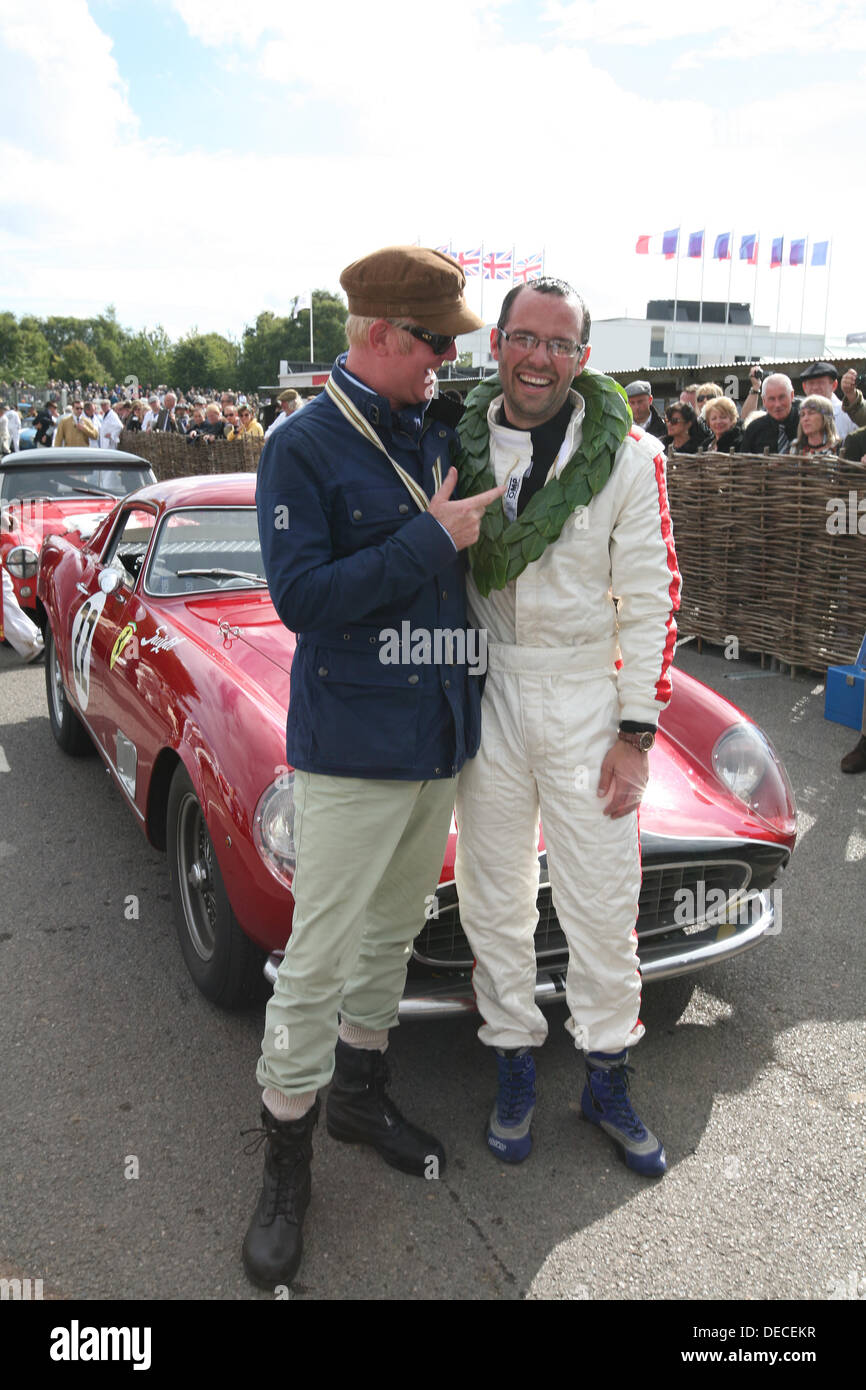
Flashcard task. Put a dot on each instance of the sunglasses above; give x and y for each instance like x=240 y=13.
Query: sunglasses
x=438 y=343
x=674 y=419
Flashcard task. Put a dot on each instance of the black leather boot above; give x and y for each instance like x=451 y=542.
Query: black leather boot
x=855 y=761
x=360 y=1112
x=274 y=1241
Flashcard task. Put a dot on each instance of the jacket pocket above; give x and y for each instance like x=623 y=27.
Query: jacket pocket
x=365 y=714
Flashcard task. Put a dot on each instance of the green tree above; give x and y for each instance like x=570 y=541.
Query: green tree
x=34 y=356
x=329 y=326
x=58 y=331
x=149 y=356
x=79 y=362
x=273 y=339
x=23 y=350
x=204 y=359
x=110 y=341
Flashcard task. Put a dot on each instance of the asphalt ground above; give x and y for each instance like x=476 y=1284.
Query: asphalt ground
x=122 y=1168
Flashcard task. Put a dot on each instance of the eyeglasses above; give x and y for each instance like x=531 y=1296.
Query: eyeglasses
x=707 y=396
x=438 y=343
x=528 y=342
x=674 y=419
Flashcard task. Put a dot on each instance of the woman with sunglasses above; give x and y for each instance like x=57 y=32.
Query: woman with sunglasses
x=683 y=434
x=247 y=425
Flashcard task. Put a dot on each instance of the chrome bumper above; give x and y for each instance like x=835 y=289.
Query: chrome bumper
x=451 y=995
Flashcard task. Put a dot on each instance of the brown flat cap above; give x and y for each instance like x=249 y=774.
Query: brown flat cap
x=290 y=394
x=410 y=282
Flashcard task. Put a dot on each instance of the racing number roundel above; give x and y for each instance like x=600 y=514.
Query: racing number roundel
x=82 y=644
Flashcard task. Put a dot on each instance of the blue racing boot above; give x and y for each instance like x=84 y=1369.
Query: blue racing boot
x=605 y=1102
x=508 y=1134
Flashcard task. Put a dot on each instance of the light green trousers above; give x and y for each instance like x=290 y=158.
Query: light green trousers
x=368 y=855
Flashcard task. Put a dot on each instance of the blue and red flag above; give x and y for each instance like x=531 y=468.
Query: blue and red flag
x=777 y=251
x=797 y=252
x=696 y=245
x=722 y=248
x=670 y=242
x=749 y=248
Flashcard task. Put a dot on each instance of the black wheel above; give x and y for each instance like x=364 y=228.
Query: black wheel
x=225 y=964
x=66 y=727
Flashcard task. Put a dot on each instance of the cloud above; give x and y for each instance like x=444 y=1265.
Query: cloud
x=737 y=32
x=61 y=86
x=466 y=126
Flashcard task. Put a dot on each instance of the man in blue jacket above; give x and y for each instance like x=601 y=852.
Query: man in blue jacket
x=362 y=541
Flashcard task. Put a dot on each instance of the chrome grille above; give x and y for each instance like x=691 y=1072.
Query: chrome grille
x=442 y=941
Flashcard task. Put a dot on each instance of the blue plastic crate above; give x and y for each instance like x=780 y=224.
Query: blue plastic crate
x=844 y=693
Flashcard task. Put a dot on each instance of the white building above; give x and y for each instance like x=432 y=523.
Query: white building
x=625 y=344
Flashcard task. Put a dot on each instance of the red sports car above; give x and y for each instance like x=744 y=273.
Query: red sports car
x=164 y=650
x=66 y=490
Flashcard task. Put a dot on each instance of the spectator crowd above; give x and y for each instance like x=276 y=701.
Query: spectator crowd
x=773 y=419
x=826 y=418
x=95 y=417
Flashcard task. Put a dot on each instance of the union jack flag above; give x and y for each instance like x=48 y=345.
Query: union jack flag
x=529 y=268
x=497 y=265
x=469 y=261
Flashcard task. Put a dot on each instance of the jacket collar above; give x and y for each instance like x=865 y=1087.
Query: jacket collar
x=376 y=408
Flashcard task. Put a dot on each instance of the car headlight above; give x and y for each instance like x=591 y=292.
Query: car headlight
x=273 y=827
x=22 y=562
x=745 y=760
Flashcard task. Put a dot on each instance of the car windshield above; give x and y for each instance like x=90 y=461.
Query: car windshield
x=203 y=549
x=75 y=480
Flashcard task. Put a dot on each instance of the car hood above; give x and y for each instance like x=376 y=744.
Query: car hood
x=244 y=631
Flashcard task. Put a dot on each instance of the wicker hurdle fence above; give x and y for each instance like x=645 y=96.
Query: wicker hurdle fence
x=174 y=456
x=771 y=553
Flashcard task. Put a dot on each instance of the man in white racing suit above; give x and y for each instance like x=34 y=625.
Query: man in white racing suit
x=566 y=723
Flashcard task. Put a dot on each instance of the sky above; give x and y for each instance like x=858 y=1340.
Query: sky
x=194 y=162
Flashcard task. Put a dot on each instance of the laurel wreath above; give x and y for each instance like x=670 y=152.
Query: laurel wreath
x=504 y=548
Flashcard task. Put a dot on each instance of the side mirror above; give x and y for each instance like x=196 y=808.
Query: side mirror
x=109 y=580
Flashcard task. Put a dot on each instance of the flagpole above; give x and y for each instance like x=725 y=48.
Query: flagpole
x=778 y=296
x=827 y=300
x=312 y=357
x=728 y=304
x=701 y=305
x=676 y=286
x=754 y=294
x=803 y=298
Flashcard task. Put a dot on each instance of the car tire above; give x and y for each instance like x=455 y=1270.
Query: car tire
x=69 y=733
x=225 y=965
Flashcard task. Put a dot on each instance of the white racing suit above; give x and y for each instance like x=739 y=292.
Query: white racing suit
x=16 y=627
x=553 y=700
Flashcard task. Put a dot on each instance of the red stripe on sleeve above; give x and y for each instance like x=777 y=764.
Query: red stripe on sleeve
x=663 y=684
